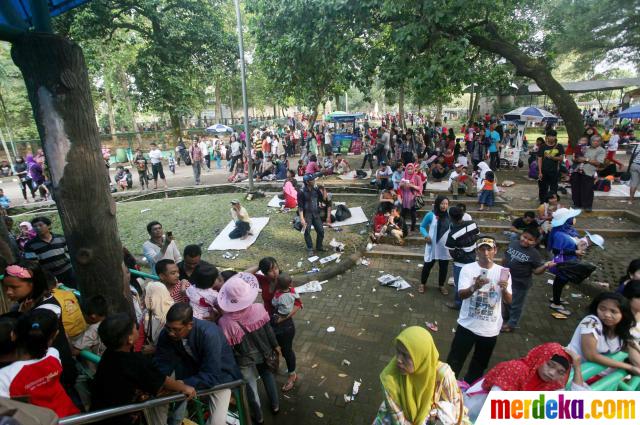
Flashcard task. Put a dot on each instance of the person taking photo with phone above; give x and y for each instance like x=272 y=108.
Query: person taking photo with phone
x=159 y=246
x=483 y=286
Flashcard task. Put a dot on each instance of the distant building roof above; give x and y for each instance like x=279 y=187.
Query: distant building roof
x=591 y=85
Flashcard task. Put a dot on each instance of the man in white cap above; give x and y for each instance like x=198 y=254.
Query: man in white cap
x=483 y=286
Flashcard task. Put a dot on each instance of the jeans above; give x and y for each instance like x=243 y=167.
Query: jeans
x=456 y=278
x=218 y=161
x=313 y=219
x=207 y=161
x=548 y=184
x=442 y=271
x=463 y=341
x=241 y=229
x=218 y=407
x=197 y=169
x=251 y=375
x=514 y=310
x=285 y=332
x=494 y=160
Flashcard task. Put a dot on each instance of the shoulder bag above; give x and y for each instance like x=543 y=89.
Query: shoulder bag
x=443 y=408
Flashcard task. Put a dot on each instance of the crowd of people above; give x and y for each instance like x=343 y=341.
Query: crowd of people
x=197 y=326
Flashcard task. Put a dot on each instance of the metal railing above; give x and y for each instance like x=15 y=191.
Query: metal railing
x=238 y=388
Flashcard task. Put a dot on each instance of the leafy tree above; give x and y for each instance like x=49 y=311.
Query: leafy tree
x=15 y=109
x=183 y=43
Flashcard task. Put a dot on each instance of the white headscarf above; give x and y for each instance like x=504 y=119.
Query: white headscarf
x=484 y=167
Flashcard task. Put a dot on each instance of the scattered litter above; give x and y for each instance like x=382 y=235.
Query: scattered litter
x=354 y=392
x=376 y=315
x=420 y=266
x=453 y=330
x=404 y=325
x=363 y=231
x=338 y=260
x=337 y=229
x=329 y=258
x=339 y=296
x=331 y=329
x=577 y=295
x=411 y=295
x=319 y=414
x=550 y=281
x=315 y=365
x=369 y=246
x=313 y=297
x=394 y=281
x=312 y=397
x=326 y=395
x=145 y=210
x=290 y=270
x=342 y=375
x=314 y=258
x=364 y=262
x=603 y=284
x=373 y=289
x=387 y=279
x=338 y=246
x=380 y=271
x=508 y=183
x=313 y=286
x=299 y=264
x=286 y=396
x=432 y=326
x=346 y=362
x=313 y=270
x=407 y=261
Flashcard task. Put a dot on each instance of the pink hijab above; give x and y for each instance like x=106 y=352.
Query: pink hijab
x=408 y=195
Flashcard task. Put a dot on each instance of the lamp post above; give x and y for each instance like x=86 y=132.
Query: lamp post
x=245 y=105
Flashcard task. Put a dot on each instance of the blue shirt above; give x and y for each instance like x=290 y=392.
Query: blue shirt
x=4 y=202
x=495 y=138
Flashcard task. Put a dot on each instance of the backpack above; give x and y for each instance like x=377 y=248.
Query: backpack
x=361 y=174
x=342 y=213
x=72 y=318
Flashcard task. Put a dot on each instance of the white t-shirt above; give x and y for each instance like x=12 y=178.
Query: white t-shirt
x=591 y=325
x=613 y=143
x=155 y=156
x=204 y=148
x=235 y=148
x=454 y=174
x=481 y=313
x=327 y=138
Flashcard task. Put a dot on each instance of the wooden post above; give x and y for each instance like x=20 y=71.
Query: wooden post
x=57 y=83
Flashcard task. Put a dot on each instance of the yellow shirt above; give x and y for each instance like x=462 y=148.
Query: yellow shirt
x=72 y=318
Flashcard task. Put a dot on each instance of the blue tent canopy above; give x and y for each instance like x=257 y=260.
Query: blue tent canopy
x=632 y=112
x=21 y=9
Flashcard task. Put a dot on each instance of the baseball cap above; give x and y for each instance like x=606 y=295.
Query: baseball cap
x=308 y=177
x=486 y=241
x=234 y=201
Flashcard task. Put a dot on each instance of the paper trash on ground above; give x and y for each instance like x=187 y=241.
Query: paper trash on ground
x=338 y=246
x=314 y=258
x=354 y=392
x=329 y=258
x=386 y=279
x=313 y=286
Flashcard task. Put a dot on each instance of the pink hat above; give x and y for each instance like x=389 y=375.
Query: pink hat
x=238 y=293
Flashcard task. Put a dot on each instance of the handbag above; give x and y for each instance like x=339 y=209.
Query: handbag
x=271 y=359
x=419 y=202
x=625 y=176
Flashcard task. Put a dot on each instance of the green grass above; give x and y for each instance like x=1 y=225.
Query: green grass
x=199 y=219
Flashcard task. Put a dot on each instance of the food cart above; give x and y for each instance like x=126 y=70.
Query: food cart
x=346 y=136
x=510 y=156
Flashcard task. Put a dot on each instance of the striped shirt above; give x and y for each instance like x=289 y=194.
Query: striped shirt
x=53 y=255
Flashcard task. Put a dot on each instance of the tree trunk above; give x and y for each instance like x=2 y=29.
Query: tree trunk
x=129 y=104
x=60 y=96
x=218 y=97
x=438 y=117
x=476 y=103
x=313 y=117
x=176 y=123
x=401 y=106
x=540 y=73
x=110 y=113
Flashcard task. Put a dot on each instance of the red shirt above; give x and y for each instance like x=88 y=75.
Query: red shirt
x=177 y=294
x=267 y=295
x=38 y=379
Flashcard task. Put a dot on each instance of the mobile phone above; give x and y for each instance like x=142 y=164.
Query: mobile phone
x=484 y=273
x=504 y=274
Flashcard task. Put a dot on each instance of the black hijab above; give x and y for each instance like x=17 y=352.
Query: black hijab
x=443 y=221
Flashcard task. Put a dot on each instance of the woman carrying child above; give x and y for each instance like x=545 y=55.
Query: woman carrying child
x=286 y=303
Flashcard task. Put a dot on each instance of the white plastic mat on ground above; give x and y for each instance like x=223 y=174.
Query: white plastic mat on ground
x=357 y=217
x=351 y=175
x=222 y=242
x=439 y=186
x=275 y=202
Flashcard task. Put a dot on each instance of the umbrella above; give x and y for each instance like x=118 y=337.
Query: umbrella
x=219 y=128
x=632 y=112
x=530 y=113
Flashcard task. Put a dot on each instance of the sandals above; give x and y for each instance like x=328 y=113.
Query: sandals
x=422 y=288
x=506 y=329
x=560 y=309
x=290 y=383
x=443 y=290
